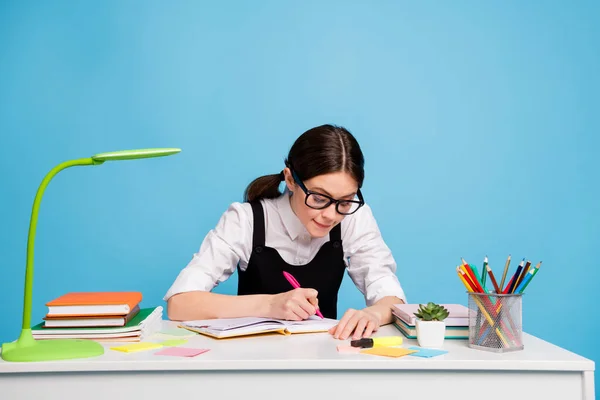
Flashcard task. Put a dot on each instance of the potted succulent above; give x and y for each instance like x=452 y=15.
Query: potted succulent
x=431 y=328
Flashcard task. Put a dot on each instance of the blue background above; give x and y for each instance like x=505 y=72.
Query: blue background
x=479 y=123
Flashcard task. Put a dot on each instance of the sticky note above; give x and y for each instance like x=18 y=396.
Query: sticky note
x=178 y=332
x=173 y=342
x=423 y=352
x=180 y=352
x=348 y=349
x=130 y=348
x=388 y=351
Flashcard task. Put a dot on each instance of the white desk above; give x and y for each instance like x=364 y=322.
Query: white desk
x=292 y=367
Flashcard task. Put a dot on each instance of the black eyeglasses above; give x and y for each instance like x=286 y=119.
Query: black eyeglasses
x=319 y=201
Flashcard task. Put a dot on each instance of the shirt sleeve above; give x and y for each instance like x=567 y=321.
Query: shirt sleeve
x=371 y=265
x=220 y=252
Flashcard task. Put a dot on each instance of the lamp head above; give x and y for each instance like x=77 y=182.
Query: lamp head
x=133 y=154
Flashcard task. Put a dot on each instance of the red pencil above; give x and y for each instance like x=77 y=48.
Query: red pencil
x=505 y=291
x=475 y=281
x=467 y=277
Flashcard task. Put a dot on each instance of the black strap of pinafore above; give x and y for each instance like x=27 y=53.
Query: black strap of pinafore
x=258 y=236
x=335 y=235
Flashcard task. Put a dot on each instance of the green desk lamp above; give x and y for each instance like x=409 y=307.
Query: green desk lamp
x=26 y=348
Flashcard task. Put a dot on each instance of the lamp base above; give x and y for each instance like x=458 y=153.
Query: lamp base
x=27 y=349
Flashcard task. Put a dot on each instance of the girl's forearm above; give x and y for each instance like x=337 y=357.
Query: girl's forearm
x=206 y=305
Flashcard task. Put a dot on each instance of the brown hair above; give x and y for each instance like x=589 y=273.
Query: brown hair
x=320 y=150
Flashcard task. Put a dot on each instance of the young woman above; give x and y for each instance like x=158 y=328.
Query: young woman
x=317 y=229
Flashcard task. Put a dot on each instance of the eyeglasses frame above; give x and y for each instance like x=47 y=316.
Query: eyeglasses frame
x=360 y=202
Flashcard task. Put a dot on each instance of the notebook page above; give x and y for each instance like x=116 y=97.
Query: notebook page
x=240 y=331
x=312 y=324
x=225 y=327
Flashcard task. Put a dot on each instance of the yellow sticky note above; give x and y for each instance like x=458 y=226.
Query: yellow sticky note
x=130 y=348
x=388 y=351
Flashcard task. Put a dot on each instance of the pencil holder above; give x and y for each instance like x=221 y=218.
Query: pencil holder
x=495 y=322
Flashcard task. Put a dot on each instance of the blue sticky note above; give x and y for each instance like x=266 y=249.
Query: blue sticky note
x=422 y=352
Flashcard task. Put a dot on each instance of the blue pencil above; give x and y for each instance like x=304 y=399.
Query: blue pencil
x=524 y=282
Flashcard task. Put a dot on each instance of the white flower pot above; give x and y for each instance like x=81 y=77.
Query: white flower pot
x=431 y=333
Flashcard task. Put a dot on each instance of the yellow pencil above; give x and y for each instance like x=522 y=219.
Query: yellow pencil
x=462 y=278
x=505 y=271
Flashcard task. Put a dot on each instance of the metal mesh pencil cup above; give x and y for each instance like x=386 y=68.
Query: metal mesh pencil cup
x=495 y=322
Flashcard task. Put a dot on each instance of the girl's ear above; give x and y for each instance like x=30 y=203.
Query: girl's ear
x=289 y=180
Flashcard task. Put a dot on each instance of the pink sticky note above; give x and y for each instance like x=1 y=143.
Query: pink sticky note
x=180 y=352
x=348 y=349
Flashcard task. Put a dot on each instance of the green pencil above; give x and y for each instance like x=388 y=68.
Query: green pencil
x=483 y=272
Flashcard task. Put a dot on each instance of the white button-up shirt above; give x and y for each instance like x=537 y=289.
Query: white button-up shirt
x=368 y=259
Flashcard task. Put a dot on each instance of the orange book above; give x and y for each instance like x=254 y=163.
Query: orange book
x=93 y=303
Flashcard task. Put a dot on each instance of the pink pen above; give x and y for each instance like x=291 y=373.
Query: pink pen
x=296 y=285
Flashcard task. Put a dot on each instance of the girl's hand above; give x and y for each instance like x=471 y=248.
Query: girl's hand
x=295 y=305
x=358 y=323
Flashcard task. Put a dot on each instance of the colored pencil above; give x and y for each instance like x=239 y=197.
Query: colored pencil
x=476 y=281
x=516 y=276
x=479 y=278
x=505 y=290
x=461 y=275
x=505 y=271
x=483 y=271
x=524 y=282
x=470 y=272
x=492 y=278
x=468 y=277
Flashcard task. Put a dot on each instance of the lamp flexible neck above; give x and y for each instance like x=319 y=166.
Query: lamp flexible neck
x=32 y=230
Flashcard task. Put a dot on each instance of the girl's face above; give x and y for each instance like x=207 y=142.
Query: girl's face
x=338 y=185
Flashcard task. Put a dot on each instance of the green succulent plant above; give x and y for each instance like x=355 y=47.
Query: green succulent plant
x=432 y=312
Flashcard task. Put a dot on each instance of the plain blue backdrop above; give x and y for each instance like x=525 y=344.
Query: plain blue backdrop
x=478 y=120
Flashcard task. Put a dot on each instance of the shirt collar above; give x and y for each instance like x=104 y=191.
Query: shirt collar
x=291 y=222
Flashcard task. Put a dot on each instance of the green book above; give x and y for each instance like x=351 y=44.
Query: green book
x=145 y=317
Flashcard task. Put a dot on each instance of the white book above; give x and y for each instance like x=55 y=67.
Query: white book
x=458 y=314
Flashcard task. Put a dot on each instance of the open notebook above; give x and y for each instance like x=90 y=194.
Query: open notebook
x=234 y=327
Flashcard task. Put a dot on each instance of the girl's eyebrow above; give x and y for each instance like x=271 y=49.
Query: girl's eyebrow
x=329 y=194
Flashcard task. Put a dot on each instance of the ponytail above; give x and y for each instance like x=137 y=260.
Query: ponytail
x=265 y=187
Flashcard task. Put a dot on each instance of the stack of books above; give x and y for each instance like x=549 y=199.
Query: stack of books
x=101 y=316
x=457 y=322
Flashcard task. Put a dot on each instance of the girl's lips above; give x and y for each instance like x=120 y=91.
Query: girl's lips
x=321 y=225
